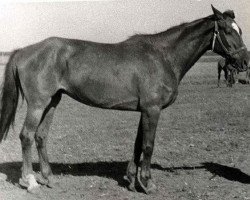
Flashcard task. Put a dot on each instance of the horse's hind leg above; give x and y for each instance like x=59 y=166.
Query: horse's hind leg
x=41 y=140
x=32 y=120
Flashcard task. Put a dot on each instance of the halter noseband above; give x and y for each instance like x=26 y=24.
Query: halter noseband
x=217 y=35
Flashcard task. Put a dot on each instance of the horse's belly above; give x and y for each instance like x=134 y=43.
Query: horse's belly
x=107 y=93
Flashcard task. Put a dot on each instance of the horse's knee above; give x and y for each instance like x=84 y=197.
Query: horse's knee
x=40 y=140
x=26 y=138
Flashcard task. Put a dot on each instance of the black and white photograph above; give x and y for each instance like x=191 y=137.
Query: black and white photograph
x=125 y=100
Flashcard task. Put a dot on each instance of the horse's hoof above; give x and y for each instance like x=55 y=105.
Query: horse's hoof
x=131 y=185
x=3 y=177
x=34 y=189
x=23 y=183
x=149 y=187
x=33 y=185
x=30 y=183
x=50 y=182
x=42 y=180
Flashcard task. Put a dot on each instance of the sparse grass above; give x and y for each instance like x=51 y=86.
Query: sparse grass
x=90 y=147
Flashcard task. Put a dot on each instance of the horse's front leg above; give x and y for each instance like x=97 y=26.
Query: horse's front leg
x=144 y=144
x=150 y=118
x=133 y=165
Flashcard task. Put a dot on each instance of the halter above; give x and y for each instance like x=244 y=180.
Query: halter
x=217 y=35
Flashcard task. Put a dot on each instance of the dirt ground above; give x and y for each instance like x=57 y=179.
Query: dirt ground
x=202 y=147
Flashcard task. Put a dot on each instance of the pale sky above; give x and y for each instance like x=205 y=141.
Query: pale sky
x=22 y=24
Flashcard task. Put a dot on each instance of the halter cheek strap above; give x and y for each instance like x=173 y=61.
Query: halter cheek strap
x=216 y=32
x=217 y=35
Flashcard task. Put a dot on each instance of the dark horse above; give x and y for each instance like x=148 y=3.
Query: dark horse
x=140 y=74
x=230 y=72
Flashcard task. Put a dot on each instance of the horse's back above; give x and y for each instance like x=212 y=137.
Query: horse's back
x=103 y=75
x=112 y=75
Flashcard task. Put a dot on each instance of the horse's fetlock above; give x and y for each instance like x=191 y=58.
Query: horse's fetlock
x=132 y=168
x=145 y=175
x=148 y=151
x=26 y=140
x=46 y=172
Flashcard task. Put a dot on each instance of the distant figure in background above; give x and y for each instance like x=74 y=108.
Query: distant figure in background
x=248 y=75
x=246 y=79
x=230 y=73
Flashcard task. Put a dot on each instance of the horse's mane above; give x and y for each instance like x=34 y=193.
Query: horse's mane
x=171 y=30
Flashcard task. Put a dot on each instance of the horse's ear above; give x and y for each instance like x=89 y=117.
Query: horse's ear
x=218 y=15
x=229 y=13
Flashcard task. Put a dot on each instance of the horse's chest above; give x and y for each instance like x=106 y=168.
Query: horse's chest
x=169 y=95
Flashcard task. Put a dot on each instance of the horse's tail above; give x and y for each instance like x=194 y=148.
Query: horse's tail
x=9 y=97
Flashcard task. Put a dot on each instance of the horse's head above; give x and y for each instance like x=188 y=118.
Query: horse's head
x=227 y=40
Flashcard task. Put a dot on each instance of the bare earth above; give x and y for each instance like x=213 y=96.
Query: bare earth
x=202 y=148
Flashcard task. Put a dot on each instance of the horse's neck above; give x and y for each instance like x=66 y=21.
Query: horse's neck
x=185 y=46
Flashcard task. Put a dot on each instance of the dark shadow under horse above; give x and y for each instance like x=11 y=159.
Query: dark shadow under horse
x=113 y=170
x=140 y=74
